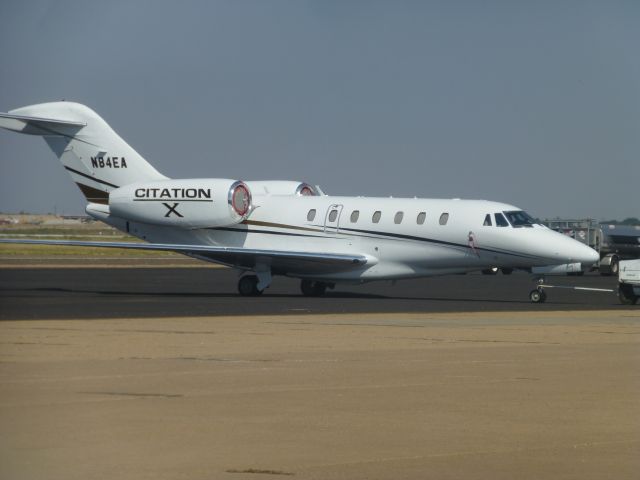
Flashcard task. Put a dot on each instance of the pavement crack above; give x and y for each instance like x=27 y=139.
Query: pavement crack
x=135 y=394
x=260 y=471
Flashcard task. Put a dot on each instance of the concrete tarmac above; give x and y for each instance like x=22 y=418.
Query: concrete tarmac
x=166 y=373
x=482 y=395
x=68 y=293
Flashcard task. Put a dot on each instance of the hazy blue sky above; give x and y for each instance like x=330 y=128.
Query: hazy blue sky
x=533 y=103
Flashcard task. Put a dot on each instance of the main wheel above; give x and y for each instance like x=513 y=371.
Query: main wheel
x=507 y=271
x=537 y=296
x=626 y=295
x=310 y=288
x=248 y=286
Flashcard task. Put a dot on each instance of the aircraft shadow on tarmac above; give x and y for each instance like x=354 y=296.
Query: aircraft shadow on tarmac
x=328 y=296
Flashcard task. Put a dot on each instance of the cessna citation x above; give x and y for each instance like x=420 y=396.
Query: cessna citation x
x=267 y=228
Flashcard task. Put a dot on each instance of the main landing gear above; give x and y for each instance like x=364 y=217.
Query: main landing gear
x=495 y=270
x=312 y=288
x=248 y=286
x=254 y=285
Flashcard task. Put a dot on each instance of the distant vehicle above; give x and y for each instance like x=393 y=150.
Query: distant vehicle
x=612 y=242
x=629 y=282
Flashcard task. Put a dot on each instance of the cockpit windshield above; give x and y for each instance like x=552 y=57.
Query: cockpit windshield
x=518 y=218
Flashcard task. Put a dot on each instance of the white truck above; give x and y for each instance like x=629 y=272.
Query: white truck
x=629 y=281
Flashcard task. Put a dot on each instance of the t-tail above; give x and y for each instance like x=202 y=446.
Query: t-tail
x=95 y=156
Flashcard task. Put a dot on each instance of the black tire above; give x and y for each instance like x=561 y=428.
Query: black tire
x=612 y=268
x=537 y=296
x=615 y=265
x=248 y=286
x=507 y=271
x=490 y=271
x=626 y=295
x=309 y=288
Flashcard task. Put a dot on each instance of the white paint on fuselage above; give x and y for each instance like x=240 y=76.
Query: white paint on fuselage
x=395 y=251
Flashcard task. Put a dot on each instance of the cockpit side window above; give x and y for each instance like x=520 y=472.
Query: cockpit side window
x=500 y=220
x=487 y=220
x=518 y=218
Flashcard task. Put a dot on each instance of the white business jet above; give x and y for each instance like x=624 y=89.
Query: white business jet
x=268 y=228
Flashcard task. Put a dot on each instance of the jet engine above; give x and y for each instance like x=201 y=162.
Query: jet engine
x=197 y=203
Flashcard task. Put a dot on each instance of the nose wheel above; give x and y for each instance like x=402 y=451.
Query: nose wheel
x=538 y=295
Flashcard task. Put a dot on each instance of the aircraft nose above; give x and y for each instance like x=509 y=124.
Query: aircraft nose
x=584 y=254
x=591 y=256
x=569 y=250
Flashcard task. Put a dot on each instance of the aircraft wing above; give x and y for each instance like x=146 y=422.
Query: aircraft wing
x=279 y=260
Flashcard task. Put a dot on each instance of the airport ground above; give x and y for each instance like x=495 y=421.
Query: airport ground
x=161 y=371
x=102 y=289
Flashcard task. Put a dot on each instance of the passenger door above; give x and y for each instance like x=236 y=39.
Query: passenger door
x=332 y=217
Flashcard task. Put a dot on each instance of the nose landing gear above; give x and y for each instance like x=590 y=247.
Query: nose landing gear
x=538 y=295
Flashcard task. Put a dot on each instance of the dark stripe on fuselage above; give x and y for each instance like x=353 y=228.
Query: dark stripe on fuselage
x=369 y=234
x=268 y=232
x=91 y=178
x=279 y=225
x=439 y=242
x=94 y=195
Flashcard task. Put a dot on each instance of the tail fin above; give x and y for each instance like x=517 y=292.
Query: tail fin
x=95 y=156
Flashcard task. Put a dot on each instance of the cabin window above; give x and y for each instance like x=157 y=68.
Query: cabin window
x=421 y=218
x=487 y=220
x=444 y=218
x=397 y=219
x=311 y=215
x=500 y=220
x=355 y=215
x=333 y=214
x=376 y=216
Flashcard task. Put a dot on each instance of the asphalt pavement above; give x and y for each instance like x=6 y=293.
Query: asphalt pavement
x=102 y=292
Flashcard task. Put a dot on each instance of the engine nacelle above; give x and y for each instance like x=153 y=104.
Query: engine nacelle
x=196 y=203
x=281 y=187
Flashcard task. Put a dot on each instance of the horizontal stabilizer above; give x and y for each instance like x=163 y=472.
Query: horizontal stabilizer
x=37 y=125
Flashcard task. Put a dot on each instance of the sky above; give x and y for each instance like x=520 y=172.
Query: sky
x=532 y=103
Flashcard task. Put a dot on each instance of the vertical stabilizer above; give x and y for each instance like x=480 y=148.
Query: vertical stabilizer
x=95 y=156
